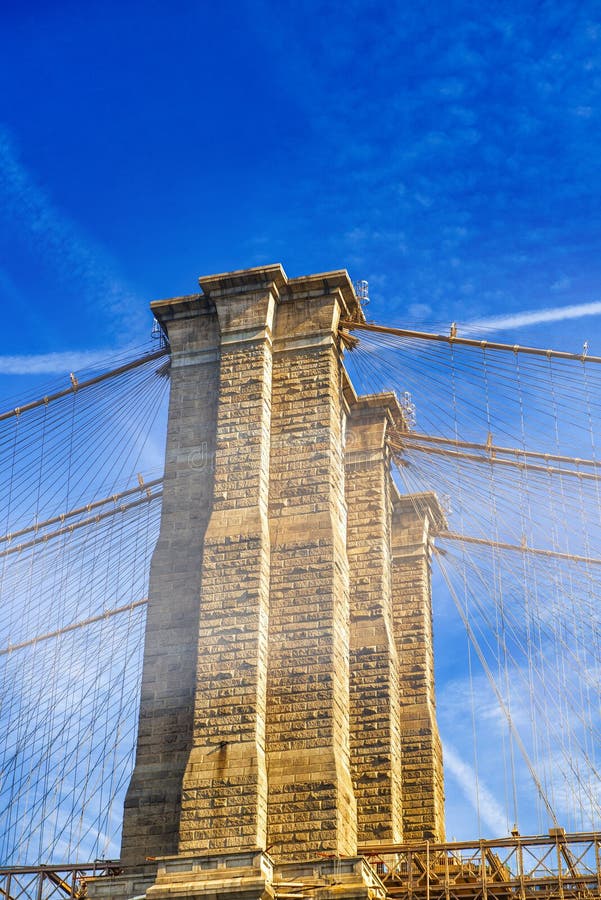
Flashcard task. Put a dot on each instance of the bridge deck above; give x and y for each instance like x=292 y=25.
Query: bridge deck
x=558 y=866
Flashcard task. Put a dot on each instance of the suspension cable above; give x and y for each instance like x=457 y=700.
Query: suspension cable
x=142 y=486
x=93 y=520
x=80 y=385
x=518 y=548
x=468 y=342
x=107 y=614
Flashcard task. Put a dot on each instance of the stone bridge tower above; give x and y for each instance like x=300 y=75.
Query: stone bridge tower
x=287 y=715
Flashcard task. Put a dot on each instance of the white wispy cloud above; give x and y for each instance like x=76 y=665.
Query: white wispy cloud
x=534 y=317
x=74 y=258
x=475 y=792
x=419 y=311
x=52 y=363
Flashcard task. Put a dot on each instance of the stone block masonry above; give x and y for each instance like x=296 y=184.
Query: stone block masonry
x=308 y=657
x=287 y=696
x=375 y=701
x=153 y=801
x=224 y=798
x=414 y=518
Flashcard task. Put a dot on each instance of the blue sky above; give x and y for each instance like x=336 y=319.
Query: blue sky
x=446 y=152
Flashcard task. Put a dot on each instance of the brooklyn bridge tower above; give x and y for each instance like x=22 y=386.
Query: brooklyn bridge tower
x=287 y=715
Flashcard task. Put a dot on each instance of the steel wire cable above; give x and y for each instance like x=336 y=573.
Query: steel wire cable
x=68 y=705
x=537 y=622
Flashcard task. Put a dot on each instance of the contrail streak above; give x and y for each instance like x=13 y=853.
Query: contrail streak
x=534 y=317
x=51 y=363
x=466 y=778
x=76 y=260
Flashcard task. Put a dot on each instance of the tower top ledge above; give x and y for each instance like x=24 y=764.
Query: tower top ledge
x=242 y=281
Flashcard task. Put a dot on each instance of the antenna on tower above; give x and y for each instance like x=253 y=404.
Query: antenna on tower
x=157 y=333
x=408 y=407
x=362 y=293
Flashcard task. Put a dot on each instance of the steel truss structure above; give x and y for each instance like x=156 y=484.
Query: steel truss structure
x=52 y=882
x=555 y=867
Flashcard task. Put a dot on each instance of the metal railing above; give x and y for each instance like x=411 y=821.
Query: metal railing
x=51 y=882
x=557 y=866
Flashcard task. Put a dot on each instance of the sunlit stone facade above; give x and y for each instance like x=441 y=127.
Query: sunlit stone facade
x=287 y=707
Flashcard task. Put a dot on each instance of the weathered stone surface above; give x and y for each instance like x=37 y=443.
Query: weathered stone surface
x=121 y=887
x=152 y=805
x=415 y=517
x=374 y=668
x=288 y=690
x=244 y=875
x=329 y=879
x=224 y=798
x=311 y=803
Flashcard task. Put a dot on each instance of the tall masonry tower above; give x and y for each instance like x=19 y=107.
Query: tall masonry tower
x=287 y=715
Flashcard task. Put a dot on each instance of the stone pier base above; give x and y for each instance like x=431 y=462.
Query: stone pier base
x=122 y=887
x=244 y=875
x=349 y=878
